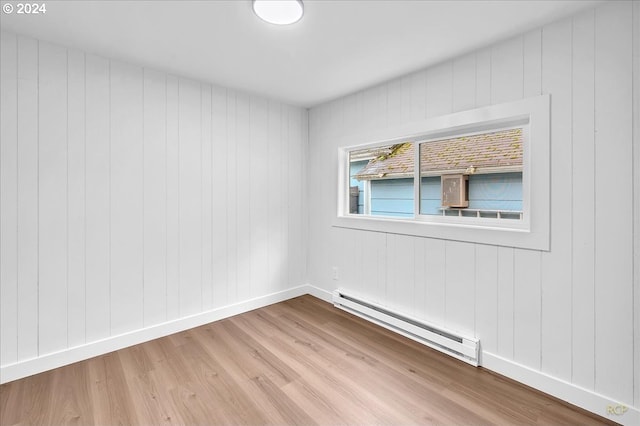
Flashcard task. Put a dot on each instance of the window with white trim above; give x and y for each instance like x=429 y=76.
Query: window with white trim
x=479 y=176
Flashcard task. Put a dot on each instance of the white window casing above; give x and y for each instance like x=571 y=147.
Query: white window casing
x=530 y=232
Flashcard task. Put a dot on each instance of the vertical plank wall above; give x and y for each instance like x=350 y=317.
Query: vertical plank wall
x=130 y=198
x=568 y=312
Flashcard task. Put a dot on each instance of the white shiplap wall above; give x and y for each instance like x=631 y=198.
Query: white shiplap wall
x=568 y=313
x=131 y=198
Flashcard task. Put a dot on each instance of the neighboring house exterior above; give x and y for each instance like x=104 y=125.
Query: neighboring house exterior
x=492 y=161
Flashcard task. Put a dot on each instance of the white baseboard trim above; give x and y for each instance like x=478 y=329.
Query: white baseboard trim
x=320 y=293
x=68 y=356
x=576 y=395
x=584 y=398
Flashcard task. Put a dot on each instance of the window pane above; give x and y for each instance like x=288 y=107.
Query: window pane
x=473 y=176
x=430 y=195
x=356 y=187
x=381 y=180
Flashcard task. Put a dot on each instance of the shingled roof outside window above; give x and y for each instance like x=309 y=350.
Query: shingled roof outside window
x=491 y=152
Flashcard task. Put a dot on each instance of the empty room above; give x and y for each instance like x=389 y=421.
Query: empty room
x=320 y=212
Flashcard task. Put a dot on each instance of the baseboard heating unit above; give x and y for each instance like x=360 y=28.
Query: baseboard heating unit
x=463 y=348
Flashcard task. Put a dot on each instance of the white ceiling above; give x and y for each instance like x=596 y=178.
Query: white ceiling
x=338 y=47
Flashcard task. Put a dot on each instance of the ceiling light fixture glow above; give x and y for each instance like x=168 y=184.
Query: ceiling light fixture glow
x=279 y=12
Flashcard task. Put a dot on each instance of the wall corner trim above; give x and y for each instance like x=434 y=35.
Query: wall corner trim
x=320 y=293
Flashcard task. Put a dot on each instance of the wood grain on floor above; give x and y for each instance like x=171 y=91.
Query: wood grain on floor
x=300 y=362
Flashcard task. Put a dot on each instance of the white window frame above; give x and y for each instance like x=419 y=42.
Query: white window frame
x=530 y=232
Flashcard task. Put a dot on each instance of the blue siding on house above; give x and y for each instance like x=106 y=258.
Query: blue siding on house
x=354 y=169
x=394 y=197
x=430 y=195
x=392 y=189
x=499 y=191
x=392 y=207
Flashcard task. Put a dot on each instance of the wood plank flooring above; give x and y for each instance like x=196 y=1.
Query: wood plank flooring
x=297 y=362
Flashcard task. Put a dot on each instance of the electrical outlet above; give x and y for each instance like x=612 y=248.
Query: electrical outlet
x=334 y=272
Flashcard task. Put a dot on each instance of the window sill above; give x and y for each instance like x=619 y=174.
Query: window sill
x=482 y=233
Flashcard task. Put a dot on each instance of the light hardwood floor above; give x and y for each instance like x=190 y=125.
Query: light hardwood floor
x=296 y=362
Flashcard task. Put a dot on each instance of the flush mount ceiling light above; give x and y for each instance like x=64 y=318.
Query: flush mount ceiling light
x=279 y=12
